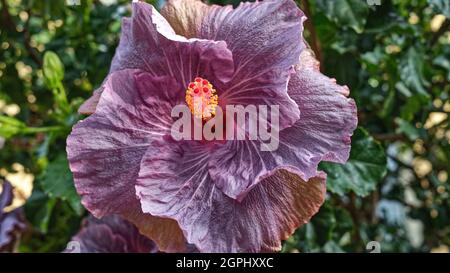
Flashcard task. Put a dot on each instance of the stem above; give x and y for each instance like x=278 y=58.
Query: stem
x=62 y=93
x=389 y=137
x=309 y=24
x=6 y=17
x=354 y=213
x=444 y=28
x=27 y=37
x=34 y=130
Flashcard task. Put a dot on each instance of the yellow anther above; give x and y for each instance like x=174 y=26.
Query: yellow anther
x=201 y=98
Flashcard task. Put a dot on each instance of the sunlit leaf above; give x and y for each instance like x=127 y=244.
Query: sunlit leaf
x=411 y=72
x=57 y=182
x=351 y=13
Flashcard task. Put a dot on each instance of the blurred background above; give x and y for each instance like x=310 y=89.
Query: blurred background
x=394 y=56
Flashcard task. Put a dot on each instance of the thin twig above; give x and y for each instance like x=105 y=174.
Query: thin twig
x=6 y=17
x=389 y=137
x=315 y=43
x=27 y=37
x=444 y=28
x=356 y=217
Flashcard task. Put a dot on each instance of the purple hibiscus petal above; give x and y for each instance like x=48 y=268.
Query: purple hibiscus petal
x=6 y=196
x=174 y=182
x=186 y=16
x=323 y=132
x=329 y=116
x=89 y=105
x=12 y=223
x=105 y=150
x=107 y=146
x=150 y=44
x=265 y=39
x=111 y=234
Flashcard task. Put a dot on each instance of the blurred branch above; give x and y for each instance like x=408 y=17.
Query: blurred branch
x=26 y=36
x=34 y=130
x=388 y=137
x=6 y=17
x=315 y=43
x=444 y=28
x=374 y=199
x=356 y=217
x=8 y=22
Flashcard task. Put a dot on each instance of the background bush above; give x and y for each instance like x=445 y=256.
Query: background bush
x=393 y=56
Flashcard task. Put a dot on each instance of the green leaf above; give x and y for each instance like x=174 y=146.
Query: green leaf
x=10 y=126
x=411 y=73
x=443 y=62
x=57 y=182
x=364 y=169
x=388 y=104
x=350 y=13
x=332 y=247
x=373 y=58
x=38 y=210
x=53 y=70
x=344 y=219
x=408 y=129
x=441 y=6
x=412 y=107
x=324 y=223
x=60 y=224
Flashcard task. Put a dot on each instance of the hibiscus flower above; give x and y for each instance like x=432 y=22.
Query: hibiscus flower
x=111 y=234
x=221 y=196
x=12 y=223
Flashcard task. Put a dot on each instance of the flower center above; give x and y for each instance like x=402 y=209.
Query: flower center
x=201 y=98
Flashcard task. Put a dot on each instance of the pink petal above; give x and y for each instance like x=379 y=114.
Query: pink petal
x=174 y=183
x=328 y=116
x=112 y=234
x=150 y=44
x=265 y=39
x=323 y=132
x=105 y=151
